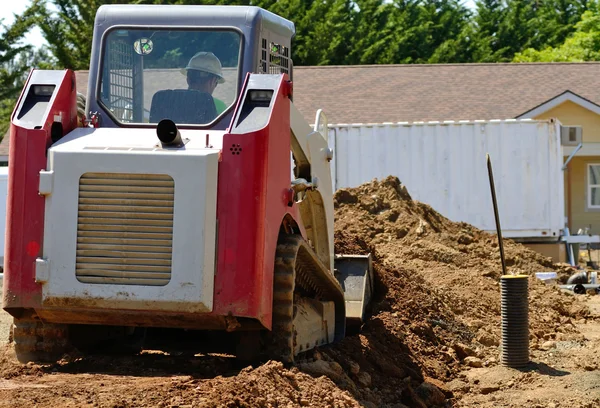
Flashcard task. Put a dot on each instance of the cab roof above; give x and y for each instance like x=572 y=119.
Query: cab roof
x=192 y=16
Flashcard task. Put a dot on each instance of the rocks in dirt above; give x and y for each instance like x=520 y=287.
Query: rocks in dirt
x=329 y=369
x=364 y=379
x=354 y=368
x=463 y=351
x=457 y=386
x=476 y=323
x=548 y=345
x=487 y=339
x=414 y=398
x=422 y=227
x=319 y=367
x=488 y=389
x=490 y=362
x=473 y=362
x=423 y=329
x=344 y=196
x=430 y=394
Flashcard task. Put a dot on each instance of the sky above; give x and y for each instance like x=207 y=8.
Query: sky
x=35 y=37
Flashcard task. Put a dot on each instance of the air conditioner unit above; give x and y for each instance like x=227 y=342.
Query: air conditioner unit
x=571 y=135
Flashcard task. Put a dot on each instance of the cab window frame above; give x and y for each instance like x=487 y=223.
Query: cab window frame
x=103 y=61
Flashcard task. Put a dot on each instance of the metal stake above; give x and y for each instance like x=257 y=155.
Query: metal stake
x=493 y=188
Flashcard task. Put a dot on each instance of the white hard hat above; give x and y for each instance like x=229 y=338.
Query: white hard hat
x=207 y=62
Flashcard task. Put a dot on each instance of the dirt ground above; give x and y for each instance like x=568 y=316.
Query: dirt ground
x=431 y=340
x=562 y=373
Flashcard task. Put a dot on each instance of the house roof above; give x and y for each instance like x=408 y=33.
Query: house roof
x=437 y=92
x=415 y=92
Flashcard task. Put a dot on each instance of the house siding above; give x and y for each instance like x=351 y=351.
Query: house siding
x=569 y=113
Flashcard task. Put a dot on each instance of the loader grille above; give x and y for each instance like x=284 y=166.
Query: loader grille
x=125 y=229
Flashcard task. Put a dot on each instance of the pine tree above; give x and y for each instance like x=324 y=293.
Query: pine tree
x=16 y=61
x=582 y=45
x=554 y=21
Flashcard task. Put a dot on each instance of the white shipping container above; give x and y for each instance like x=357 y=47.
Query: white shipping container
x=443 y=164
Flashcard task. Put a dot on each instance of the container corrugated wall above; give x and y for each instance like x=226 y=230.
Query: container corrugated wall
x=444 y=165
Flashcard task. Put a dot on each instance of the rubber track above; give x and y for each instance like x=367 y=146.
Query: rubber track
x=38 y=341
x=299 y=271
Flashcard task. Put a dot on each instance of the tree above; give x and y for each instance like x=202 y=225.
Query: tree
x=484 y=30
x=69 y=30
x=373 y=40
x=444 y=21
x=337 y=32
x=582 y=45
x=16 y=60
x=554 y=21
x=448 y=30
x=322 y=27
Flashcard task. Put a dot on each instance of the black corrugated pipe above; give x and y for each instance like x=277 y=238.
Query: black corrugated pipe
x=515 y=320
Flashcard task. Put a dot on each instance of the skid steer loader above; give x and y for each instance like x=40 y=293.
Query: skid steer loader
x=171 y=204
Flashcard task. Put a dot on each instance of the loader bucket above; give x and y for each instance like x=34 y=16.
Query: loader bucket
x=355 y=275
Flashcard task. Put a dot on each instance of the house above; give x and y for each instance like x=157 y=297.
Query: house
x=569 y=92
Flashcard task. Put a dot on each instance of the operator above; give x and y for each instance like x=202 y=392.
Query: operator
x=203 y=73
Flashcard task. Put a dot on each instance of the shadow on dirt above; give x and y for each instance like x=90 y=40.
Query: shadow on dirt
x=390 y=366
x=165 y=352
x=149 y=363
x=544 y=369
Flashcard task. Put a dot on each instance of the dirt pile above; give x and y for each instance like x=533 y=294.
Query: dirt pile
x=439 y=281
x=160 y=380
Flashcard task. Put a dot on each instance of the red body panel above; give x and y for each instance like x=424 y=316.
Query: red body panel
x=25 y=207
x=252 y=201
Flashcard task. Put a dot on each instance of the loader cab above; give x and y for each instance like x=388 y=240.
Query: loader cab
x=184 y=63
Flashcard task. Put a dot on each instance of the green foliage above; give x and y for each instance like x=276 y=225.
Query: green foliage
x=337 y=32
x=16 y=60
x=582 y=45
x=69 y=30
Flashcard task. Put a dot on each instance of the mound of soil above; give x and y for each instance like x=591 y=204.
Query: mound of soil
x=438 y=282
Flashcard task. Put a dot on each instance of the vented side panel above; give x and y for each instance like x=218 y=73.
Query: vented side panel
x=274 y=58
x=125 y=229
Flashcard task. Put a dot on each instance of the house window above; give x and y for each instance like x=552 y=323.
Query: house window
x=594 y=185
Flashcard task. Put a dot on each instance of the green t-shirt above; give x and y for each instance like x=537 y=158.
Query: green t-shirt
x=220 y=105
